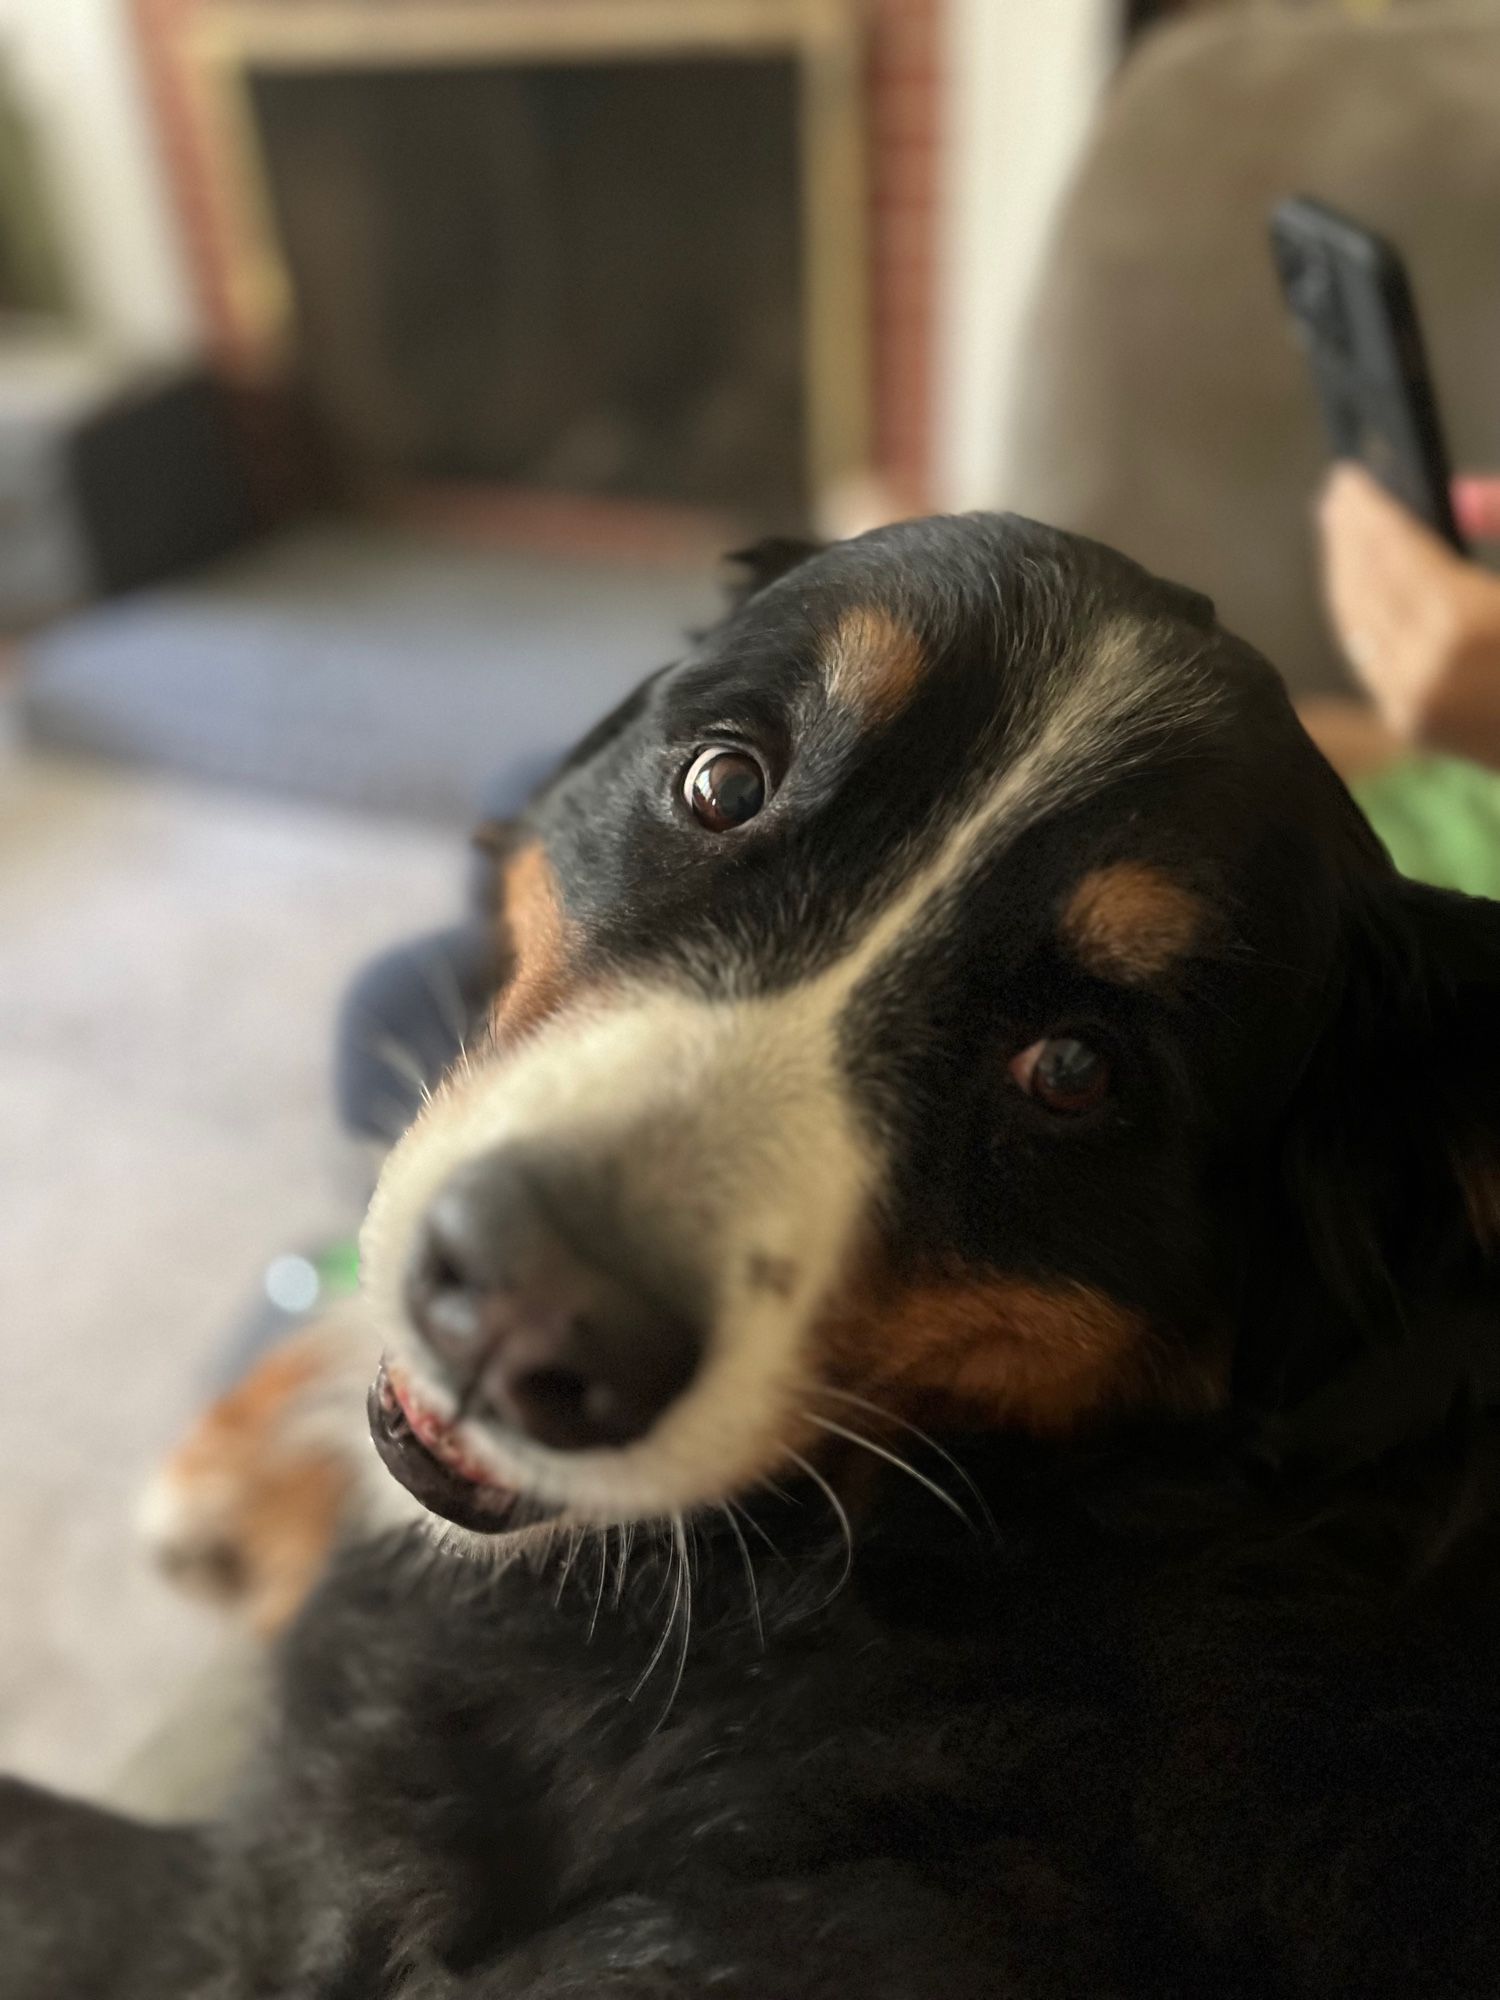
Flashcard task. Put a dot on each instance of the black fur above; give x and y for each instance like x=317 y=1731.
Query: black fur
x=1166 y=1735
x=1204 y=1706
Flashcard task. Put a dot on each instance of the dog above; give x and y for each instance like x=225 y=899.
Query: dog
x=953 y=1316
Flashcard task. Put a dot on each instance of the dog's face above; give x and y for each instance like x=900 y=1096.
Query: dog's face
x=909 y=989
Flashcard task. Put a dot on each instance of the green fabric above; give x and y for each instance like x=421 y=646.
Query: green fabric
x=338 y=1269
x=1440 y=821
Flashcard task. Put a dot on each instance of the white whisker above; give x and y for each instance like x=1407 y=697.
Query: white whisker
x=893 y=1458
x=397 y=1056
x=603 y=1537
x=686 y=1572
x=915 y=1430
x=676 y=1568
x=575 y=1542
x=441 y=981
x=734 y=1529
x=660 y=1532
x=751 y=1522
x=843 y=1519
x=627 y=1543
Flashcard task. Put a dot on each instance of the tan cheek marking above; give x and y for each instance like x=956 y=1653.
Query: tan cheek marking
x=539 y=943
x=872 y=664
x=1131 y=923
x=1011 y=1351
x=1479 y=1183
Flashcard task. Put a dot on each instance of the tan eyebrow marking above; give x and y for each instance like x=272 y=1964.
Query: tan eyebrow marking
x=872 y=663
x=1129 y=922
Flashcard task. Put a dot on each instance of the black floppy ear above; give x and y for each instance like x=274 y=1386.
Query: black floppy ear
x=491 y=845
x=1454 y=942
x=749 y=571
x=494 y=839
x=1384 y=1254
x=764 y=563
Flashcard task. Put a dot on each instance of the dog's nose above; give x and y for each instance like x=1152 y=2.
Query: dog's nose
x=539 y=1311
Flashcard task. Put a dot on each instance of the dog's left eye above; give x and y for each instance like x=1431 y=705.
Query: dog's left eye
x=1063 y=1073
x=724 y=787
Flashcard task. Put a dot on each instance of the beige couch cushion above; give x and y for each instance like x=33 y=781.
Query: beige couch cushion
x=1165 y=406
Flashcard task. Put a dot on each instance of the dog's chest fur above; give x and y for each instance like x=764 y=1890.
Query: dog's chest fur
x=1100 y=1750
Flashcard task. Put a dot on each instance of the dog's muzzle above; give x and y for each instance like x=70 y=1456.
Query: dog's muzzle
x=596 y=1259
x=542 y=1321
x=536 y=1312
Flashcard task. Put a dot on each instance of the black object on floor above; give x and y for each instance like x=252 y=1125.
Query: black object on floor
x=111 y=476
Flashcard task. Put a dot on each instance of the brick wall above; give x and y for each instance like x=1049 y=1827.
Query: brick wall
x=905 y=97
x=158 y=25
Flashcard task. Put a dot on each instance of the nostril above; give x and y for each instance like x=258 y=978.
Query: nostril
x=444 y=1301
x=447 y=1260
x=543 y=1316
x=440 y=1268
x=567 y=1410
x=552 y=1403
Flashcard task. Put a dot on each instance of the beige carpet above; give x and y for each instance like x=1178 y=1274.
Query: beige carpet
x=169 y=962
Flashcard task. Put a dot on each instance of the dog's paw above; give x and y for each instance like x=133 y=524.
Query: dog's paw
x=247 y=1509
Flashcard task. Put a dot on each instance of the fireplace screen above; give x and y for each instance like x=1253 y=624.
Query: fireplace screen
x=574 y=276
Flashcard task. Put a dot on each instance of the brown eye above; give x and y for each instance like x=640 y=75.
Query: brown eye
x=1062 y=1073
x=725 y=787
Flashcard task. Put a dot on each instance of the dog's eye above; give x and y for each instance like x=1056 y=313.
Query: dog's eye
x=1062 y=1073
x=725 y=787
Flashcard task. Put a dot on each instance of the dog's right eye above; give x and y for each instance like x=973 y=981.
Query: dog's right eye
x=1063 y=1074
x=725 y=786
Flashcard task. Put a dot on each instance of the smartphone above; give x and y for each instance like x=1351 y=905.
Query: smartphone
x=1349 y=297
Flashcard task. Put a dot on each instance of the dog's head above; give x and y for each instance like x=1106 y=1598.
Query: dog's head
x=957 y=989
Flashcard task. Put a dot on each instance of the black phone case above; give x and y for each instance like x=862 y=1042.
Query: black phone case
x=1348 y=294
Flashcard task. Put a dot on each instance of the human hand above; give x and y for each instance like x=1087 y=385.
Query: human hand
x=1476 y=505
x=1418 y=623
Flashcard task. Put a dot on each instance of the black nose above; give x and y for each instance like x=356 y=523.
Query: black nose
x=540 y=1310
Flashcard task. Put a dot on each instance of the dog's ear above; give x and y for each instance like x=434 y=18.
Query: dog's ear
x=491 y=845
x=763 y=563
x=748 y=571
x=1455 y=946
x=493 y=840
x=1380 y=1308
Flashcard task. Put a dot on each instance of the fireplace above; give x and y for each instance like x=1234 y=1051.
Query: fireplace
x=685 y=252
x=584 y=278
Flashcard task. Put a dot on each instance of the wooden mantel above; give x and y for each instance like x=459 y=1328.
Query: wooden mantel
x=308 y=34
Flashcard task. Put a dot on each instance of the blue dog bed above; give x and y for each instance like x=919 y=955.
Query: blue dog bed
x=364 y=665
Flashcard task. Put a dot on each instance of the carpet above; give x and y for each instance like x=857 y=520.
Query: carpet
x=170 y=959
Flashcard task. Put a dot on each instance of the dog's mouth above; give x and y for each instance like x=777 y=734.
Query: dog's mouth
x=425 y=1453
